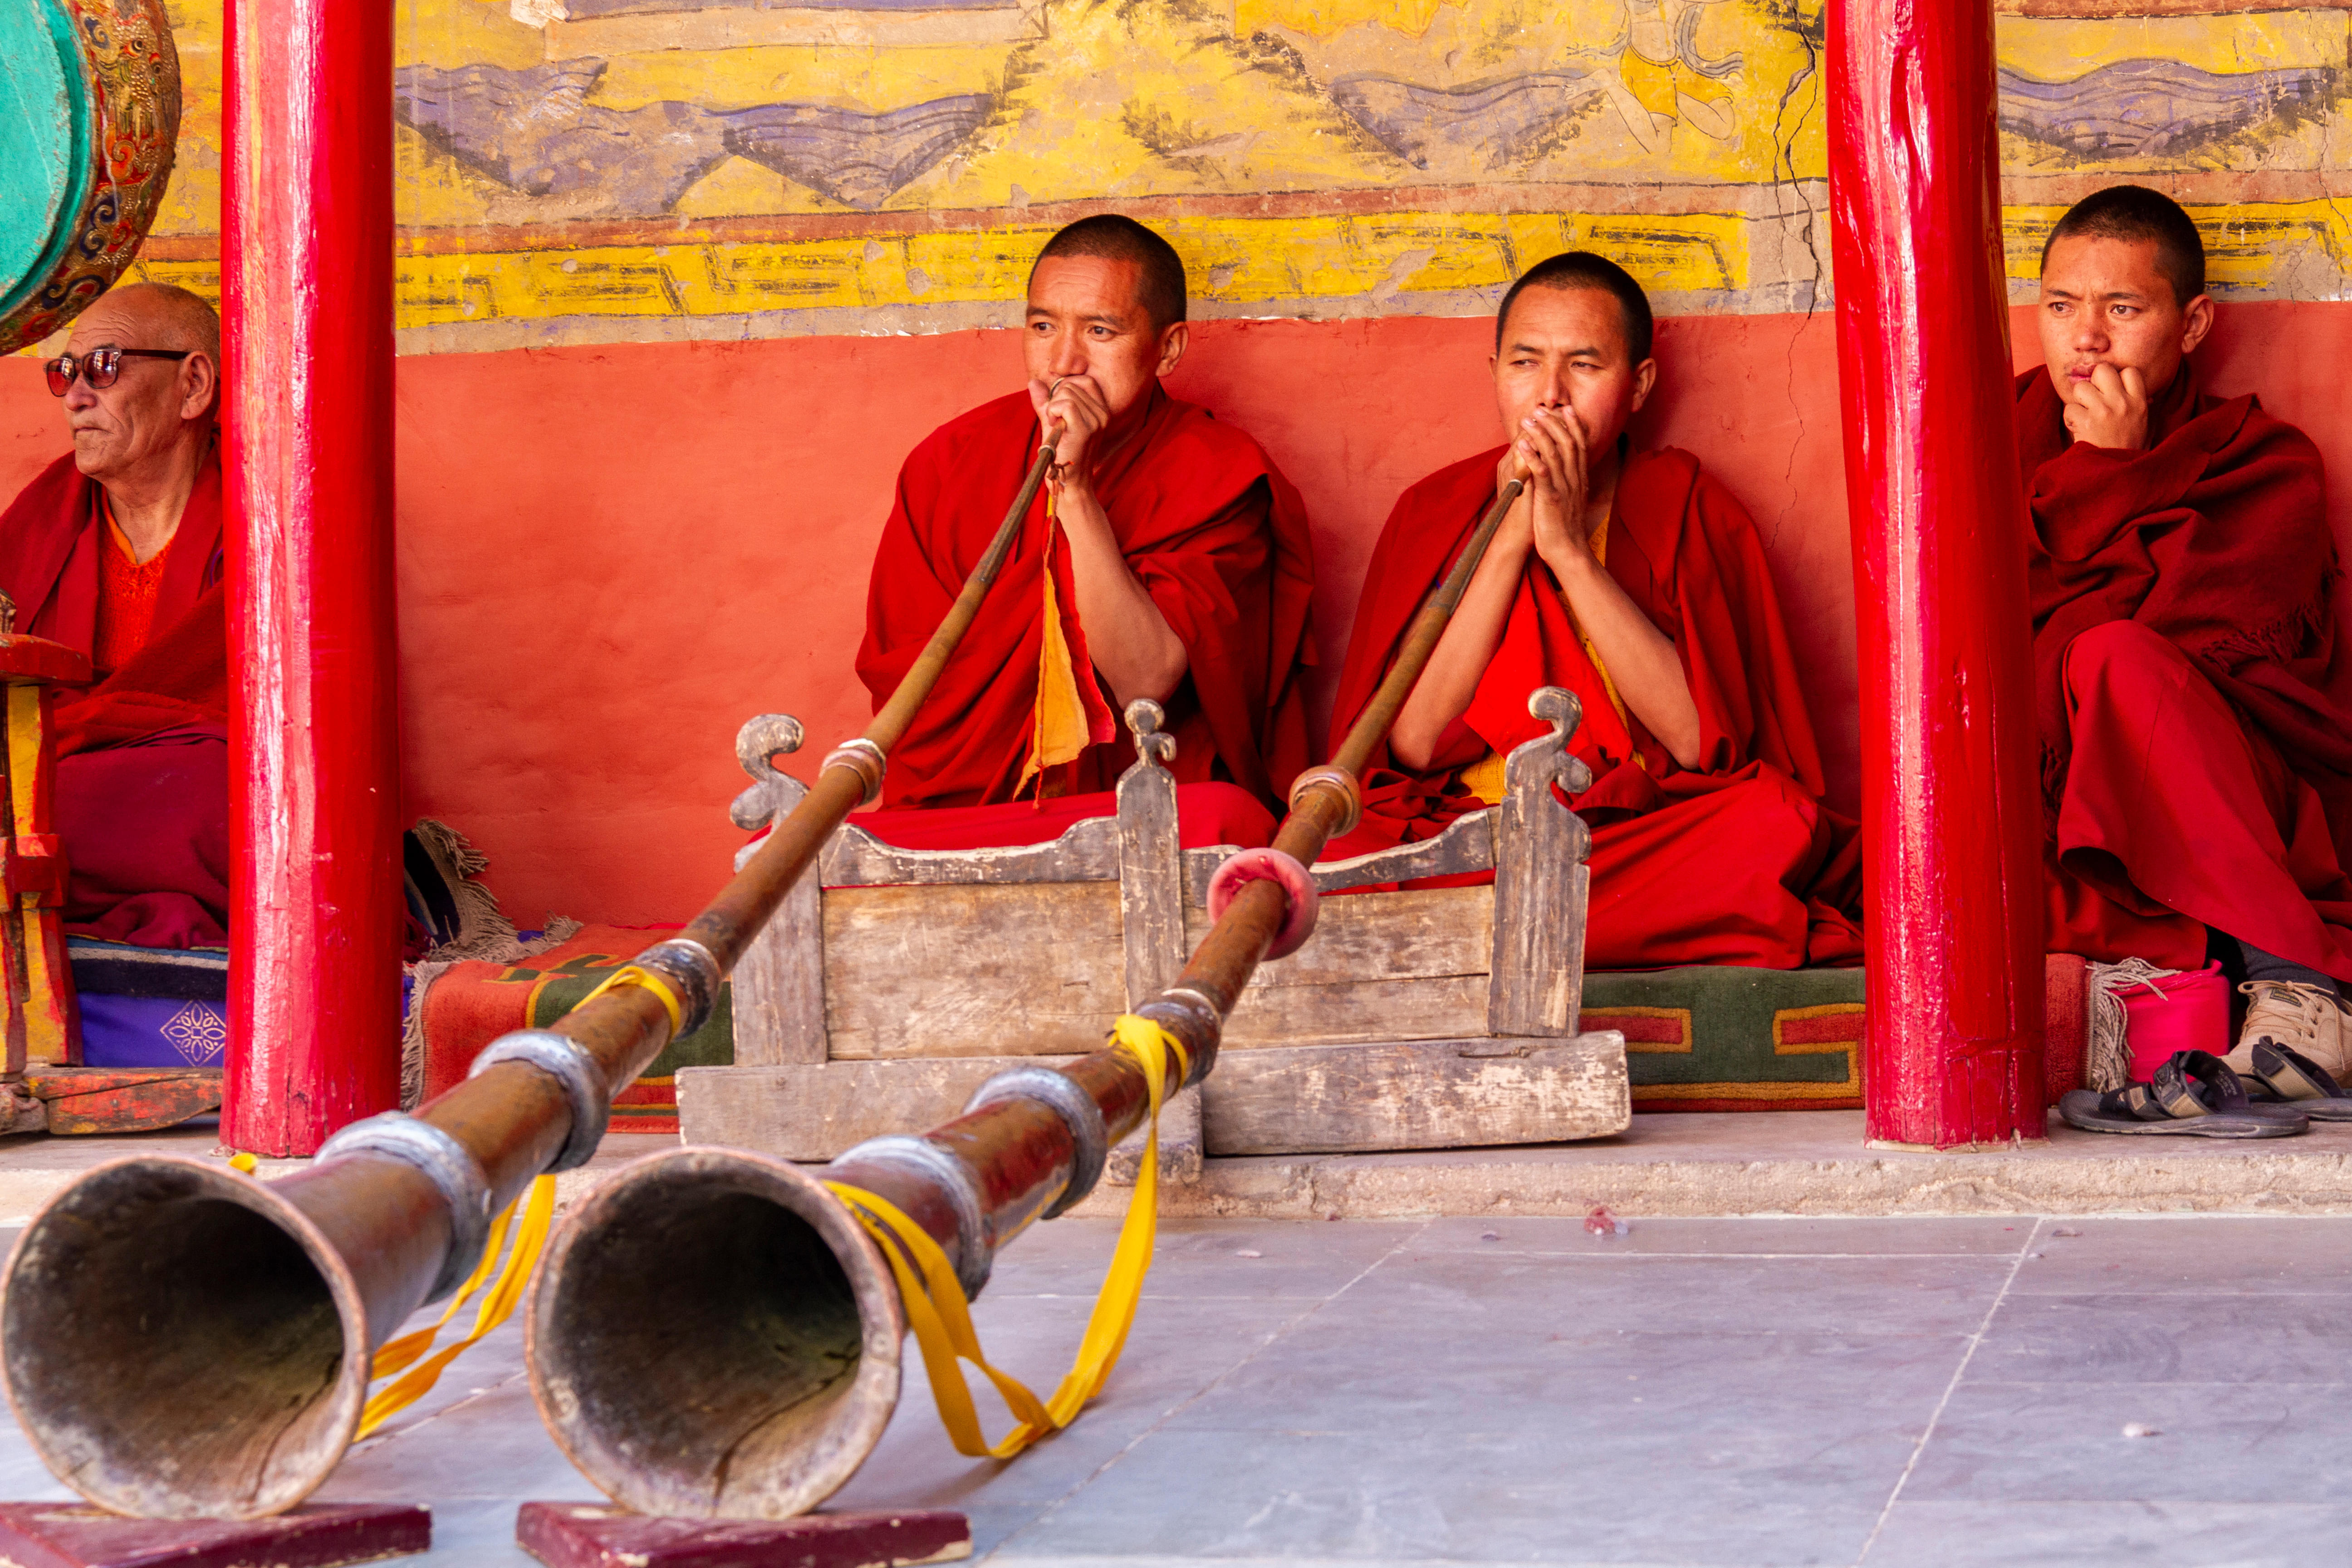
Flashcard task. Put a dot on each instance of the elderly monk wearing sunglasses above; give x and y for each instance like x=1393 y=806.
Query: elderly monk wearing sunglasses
x=115 y=550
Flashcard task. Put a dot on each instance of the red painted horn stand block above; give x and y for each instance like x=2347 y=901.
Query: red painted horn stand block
x=76 y=1535
x=597 y=1535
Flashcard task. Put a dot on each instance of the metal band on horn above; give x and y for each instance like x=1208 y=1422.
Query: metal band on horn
x=561 y=1058
x=973 y=1255
x=451 y=1167
x=863 y=758
x=1079 y=1113
x=692 y=971
x=1341 y=782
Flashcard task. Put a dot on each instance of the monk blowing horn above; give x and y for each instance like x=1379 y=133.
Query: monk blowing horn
x=714 y=1333
x=182 y=1341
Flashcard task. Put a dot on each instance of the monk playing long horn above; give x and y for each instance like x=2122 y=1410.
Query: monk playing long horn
x=2195 y=706
x=1169 y=561
x=1635 y=580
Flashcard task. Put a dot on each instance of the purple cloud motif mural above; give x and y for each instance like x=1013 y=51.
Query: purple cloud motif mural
x=1500 y=123
x=2154 y=107
x=534 y=131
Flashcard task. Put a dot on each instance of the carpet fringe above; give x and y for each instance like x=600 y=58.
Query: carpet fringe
x=484 y=935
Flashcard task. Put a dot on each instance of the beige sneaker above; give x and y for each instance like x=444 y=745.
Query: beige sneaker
x=2300 y=1017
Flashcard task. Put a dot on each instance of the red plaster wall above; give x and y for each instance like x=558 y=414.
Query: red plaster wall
x=610 y=557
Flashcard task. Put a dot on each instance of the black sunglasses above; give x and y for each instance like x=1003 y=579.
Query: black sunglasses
x=99 y=367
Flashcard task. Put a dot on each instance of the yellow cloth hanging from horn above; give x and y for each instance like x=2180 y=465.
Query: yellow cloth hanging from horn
x=1058 y=731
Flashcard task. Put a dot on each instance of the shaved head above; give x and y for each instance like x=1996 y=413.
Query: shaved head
x=152 y=316
x=2135 y=215
x=180 y=315
x=146 y=432
x=1160 y=271
x=1587 y=270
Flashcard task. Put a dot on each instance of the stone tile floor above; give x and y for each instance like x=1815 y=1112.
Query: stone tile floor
x=1928 y=1392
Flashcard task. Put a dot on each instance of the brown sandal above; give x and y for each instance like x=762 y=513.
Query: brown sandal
x=2193 y=1095
x=2300 y=1082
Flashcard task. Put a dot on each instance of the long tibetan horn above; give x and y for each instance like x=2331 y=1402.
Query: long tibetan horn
x=766 y=1308
x=183 y=1342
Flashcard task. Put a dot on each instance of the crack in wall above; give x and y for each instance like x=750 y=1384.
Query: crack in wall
x=1785 y=177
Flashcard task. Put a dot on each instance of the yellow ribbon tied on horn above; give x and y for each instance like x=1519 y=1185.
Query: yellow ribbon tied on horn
x=647 y=979
x=941 y=1319
x=505 y=1293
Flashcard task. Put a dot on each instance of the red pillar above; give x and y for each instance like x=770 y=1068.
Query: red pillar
x=1950 y=805
x=305 y=274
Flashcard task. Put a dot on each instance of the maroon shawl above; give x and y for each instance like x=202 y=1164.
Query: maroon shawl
x=2216 y=536
x=51 y=538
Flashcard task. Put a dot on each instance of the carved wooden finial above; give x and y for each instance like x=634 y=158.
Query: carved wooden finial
x=762 y=738
x=1144 y=718
x=7 y=616
x=757 y=745
x=1535 y=764
x=1557 y=706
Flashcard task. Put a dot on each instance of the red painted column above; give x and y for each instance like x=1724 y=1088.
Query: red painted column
x=1950 y=805
x=306 y=273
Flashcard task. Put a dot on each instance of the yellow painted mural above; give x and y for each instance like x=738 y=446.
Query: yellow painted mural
x=593 y=170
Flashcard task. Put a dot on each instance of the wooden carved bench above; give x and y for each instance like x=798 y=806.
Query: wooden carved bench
x=1415 y=1019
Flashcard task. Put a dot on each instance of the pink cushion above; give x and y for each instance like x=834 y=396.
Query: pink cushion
x=2192 y=1014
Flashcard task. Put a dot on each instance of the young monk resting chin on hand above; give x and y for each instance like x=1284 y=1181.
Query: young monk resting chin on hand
x=2195 y=712
x=1636 y=582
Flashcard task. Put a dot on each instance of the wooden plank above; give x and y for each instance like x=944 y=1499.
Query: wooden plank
x=1537 y=964
x=1433 y=1007
x=1150 y=867
x=1381 y=966
x=1180 y=1144
x=1152 y=926
x=778 y=983
x=1467 y=845
x=60 y=1082
x=133 y=1108
x=1086 y=852
x=1427 y=1094
x=43 y=1023
x=936 y=972
x=53 y=1025
x=1372 y=937
x=817 y=1113
x=315 y=1535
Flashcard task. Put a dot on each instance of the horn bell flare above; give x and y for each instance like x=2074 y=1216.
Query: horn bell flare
x=714 y=1336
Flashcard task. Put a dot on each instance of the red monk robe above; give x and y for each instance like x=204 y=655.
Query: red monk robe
x=2194 y=703
x=1736 y=861
x=143 y=771
x=1206 y=522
